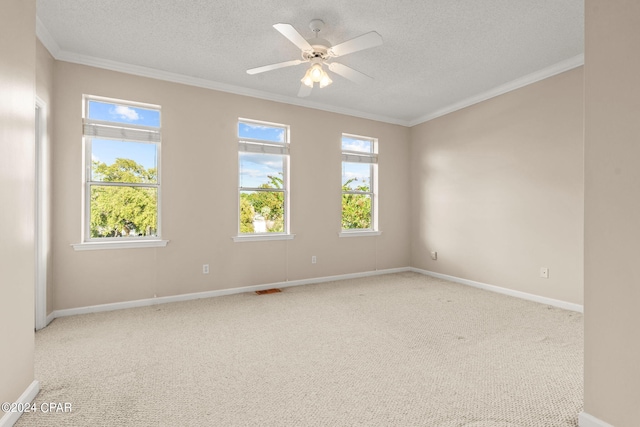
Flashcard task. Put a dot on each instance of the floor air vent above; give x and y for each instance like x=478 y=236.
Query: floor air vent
x=268 y=291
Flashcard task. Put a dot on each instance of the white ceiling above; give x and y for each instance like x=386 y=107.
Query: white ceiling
x=437 y=55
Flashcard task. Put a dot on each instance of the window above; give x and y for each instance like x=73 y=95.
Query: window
x=263 y=179
x=122 y=170
x=359 y=185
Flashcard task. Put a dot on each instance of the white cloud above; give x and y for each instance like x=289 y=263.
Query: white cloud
x=279 y=135
x=254 y=126
x=356 y=145
x=276 y=165
x=354 y=175
x=263 y=161
x=253 y=173
x=125 y=113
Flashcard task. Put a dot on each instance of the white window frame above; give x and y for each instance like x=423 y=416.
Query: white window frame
x=249 y=145
x=122 y=132
x=372 y=159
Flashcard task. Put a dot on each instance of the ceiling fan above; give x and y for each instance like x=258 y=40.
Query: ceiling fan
x=319 y=52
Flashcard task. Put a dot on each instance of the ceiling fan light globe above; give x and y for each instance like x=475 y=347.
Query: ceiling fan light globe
x=316 y=72
x=307 y=80
x=325 y=81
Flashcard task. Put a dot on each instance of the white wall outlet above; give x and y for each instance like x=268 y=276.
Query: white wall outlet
x=313 y=259
x=205 y=268
x=434 y=255
x=544 y=272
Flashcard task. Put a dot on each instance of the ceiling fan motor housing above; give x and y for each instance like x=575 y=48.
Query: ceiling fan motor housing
x=320 y=50
x=320 y=46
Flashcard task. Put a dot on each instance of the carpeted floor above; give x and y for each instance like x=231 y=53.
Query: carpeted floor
x=395 y=350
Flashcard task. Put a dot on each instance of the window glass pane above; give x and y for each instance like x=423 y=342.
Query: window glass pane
x=356 y=144
x=123 y=211
x=123 y=161
x=261 y=132
x=261 y=212
x=261 y=170
x=356 y=211
x=123 y=114
x=356 y=176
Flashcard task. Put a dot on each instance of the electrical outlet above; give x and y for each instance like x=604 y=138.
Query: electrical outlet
x=205 y=268
x=313 y=259
x=434 y=255
x=544 y=272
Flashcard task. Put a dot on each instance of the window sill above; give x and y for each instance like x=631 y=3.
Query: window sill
x=262 y=237
x=94 y=246
x=362 y=233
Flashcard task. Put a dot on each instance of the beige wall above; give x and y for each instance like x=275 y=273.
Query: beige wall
x=44 y=91
x=497 y=190
x=612 y=212
x=199 y=178
x=17 y=136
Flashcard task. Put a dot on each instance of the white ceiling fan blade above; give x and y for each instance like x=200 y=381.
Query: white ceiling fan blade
x=362 y=42
x=274 y=66
x=304 y=91
x=294 y=36
x=350 y=73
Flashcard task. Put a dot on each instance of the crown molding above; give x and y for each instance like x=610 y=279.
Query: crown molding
x=45 y=37
x=62 y=55
x=534 y=77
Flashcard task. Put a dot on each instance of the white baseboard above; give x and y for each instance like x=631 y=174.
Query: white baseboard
x=586 y=420
x=209 y=294
x=523 y=295
x=10 y=418
x=216 y=293
x=50 y=317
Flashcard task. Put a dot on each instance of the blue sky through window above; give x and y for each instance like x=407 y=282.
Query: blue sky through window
x=356 y=144
x=360 y=172
x=123 y=114
x=106 y=151
x=255 y=168
x=261 y=132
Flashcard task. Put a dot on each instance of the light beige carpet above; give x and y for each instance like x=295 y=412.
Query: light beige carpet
x=394 y=350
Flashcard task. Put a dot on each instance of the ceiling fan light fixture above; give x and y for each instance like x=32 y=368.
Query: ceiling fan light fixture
x=307 y=80
x=326 y=80
x=317 y=73
x=317 y=51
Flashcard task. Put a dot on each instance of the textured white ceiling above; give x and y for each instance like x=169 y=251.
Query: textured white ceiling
x=437 y=54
